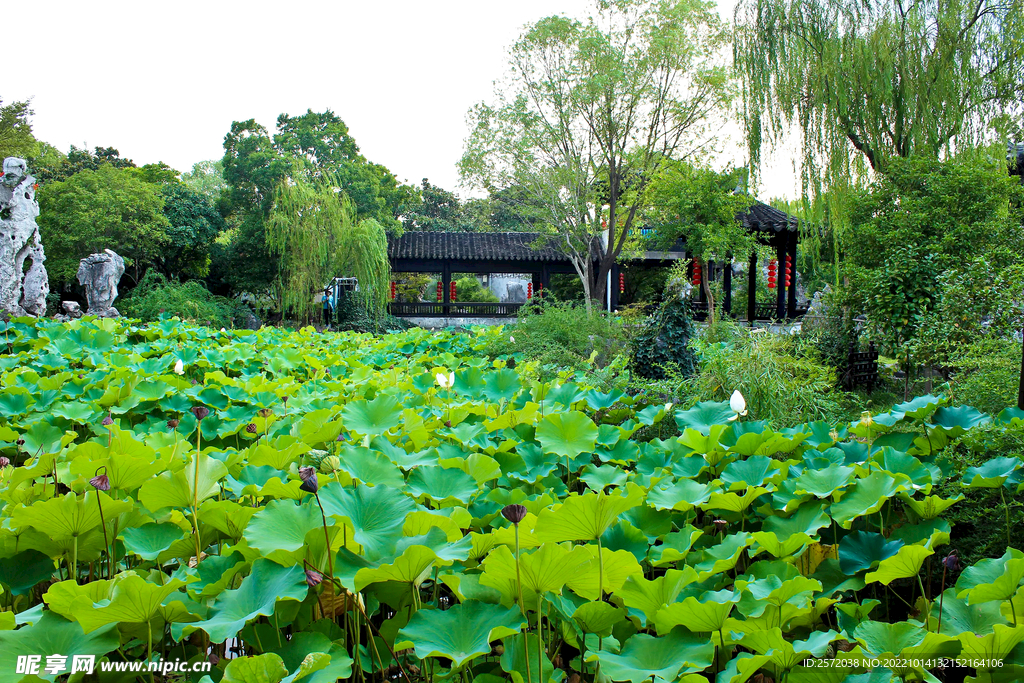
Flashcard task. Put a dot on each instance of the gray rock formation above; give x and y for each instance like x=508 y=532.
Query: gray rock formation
x=99 y=274
x=23 y=286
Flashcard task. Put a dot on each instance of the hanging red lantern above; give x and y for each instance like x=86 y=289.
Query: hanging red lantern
x=622 y=283
x=773 y=267
x=392 y=290
x=789 y=268
x=440 y=292
x=452 y=296
x=529 y=290
x=540 y=288
x=696 y=273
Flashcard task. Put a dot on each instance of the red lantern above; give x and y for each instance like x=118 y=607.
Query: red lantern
x=529 y=290
x=452 y=291
x=773 y=268
x=540 y=288
x=622 y=283
x=439 y=291
x=392 y=290
x=789 y=268
x=696 y=273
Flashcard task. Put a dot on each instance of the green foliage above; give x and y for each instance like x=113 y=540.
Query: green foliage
x=156 y=297
x=314 y=231
x=781 y=383
x=437 y=211
x=16 y=139
x=109 y=208
x=58 y=167
x=987 y=374
x=560 y=334
x=206 y=178
x=468 y=288
x=194 y=225
x=662 y=346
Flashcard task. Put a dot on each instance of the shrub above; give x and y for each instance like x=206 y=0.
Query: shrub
x=988 y=374
x=559 y=333
x=661 y=348
x=469 y=289
x=781 y=381
x=190 y=301
x=352 y=315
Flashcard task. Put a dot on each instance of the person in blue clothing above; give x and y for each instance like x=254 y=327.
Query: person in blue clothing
x=328 y=302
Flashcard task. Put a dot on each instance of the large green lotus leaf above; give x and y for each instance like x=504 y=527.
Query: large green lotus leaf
x=930 y=533
x=959 y=617
x=317 y=427
x=753 y=471
x=1002 y=588
x=256 y=596
x=783 y=651
x=278 y=455
x=930 y=507
x=371 y=467
x=616 y=566
x=567 y=434
x=585 y=517
x=373 y=417
x=134 y=600
x=545 y=569
x=649 y=596
x=414 y=562
x=298 y=649
x=742 y=668
x=734 y=502
x=985 y=571
x=996 y=645
x=723 y=557
x=780 y=545
x=866 y=497
x=955 y=421
x=460 y=633
x=684 y=495
x=502 y=385
x=918 y=408
x=807 y=519
x=227 y=516
x=704 y=614
x=758 y=595
x=376 y=513
x=904 y=564
x=61 y=596
x=442 y=485
x=68 y=516
x=659 y=659
x=212 y=575
x=993 y=474
x=600 y=478
x=675 y=546
x=125 y=472
x=52 y=634
x=881 y=639
x=15 y=401
x=21 y=572
x=149 y=540
x=280 y=528
x=597 y=617
x=705 y=415
x=1010 y=416
x=822 y=483
x=174 y=489
x=863 y=549
x=252 y=479
x=265 y=668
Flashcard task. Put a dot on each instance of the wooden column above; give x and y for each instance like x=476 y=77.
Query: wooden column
x=616 y=271
x=791 y=294
x=727 y=287
x=446 y=286
x=780 y=279
x=752 y=288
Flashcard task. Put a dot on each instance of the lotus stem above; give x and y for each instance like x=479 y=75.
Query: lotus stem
x=359 y=606
x=600 y=571
x=540 y=638
x=195 y=491
x=522 y=607
x=928 y=613
x=1006 y=507
x=327 y=538
x=942 y=594
x=106 y=543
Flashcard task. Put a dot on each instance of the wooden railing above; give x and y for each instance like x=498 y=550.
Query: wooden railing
x=474 y=309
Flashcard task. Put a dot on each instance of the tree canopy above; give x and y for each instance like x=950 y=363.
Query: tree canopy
x=589 y=112
x=865 y=82
x=16 y=139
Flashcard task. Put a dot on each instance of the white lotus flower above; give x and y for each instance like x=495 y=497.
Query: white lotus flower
x=512 y=339
x=738 y=404
x=179 y=367
x=446 y=382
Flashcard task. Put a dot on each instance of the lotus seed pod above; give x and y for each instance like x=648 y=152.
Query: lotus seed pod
x=514 y=513
x=330 y=464
x=100 y=482
x=313 y=578
x=250 y=428
x=173 y=423
x=200 y=412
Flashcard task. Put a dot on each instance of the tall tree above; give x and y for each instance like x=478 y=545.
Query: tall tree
x=55 y=168
x=16 y=138
x=867 y=81
x=590 y=111
x=314 y=230
x=437 y=211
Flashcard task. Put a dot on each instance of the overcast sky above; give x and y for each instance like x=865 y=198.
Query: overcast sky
x=162 y=81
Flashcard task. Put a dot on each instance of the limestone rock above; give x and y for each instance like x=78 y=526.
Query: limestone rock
x=23 y=281
x=99 y=274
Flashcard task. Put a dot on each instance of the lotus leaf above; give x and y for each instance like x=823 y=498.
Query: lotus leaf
x=460 y=633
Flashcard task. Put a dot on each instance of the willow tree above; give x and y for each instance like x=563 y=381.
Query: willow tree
x=588 y=113
x=863 y=81
x=313 y=229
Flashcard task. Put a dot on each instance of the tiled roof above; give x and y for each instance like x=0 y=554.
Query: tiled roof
x=471 y=246
x=763 y=217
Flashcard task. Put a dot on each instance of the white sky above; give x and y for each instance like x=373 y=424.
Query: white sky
x=162 y=81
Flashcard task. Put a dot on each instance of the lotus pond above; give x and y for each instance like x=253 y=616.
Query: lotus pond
x=297 y=506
